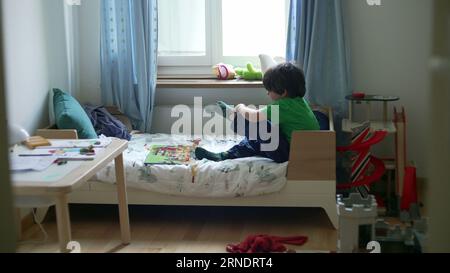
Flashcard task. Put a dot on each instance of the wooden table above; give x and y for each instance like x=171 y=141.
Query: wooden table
x=41 y=184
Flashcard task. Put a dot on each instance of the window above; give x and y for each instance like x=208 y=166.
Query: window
x=196 y=34
x=182 y=30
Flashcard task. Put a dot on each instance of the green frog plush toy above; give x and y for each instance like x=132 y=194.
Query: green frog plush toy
x=250 y=73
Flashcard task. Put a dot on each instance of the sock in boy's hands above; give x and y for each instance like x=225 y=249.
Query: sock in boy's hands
x=225 y=106
x=226 y=109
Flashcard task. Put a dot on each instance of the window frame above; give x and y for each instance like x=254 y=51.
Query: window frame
x=198 y=66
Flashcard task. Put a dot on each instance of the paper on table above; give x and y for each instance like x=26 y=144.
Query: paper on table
x=61 y=153
x=35 y=163
x=79 y=143
x=51 y=174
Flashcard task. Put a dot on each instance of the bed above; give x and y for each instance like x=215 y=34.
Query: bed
x=307 y=180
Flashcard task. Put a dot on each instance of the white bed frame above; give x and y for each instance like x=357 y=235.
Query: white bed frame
x=311 y=180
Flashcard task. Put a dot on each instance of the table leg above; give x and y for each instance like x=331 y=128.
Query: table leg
x=123 y=202
x=63 y=222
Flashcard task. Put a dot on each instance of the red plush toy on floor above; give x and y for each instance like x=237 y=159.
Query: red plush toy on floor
x=265 y=244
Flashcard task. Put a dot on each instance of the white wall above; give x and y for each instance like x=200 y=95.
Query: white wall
x=390 y=45
x=35 y=58
x=89 y=27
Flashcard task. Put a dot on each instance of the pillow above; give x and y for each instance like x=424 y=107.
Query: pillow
x=70 y=115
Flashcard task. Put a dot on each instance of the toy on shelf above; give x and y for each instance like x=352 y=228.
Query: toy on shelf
x=406 y=186
x=411 y=235
x=404 y=172
x=249 y=73
x=355 y=212
x=411 y=214
x=365 y=169
x=224 y=71
x=358 y=95
x=361 y=97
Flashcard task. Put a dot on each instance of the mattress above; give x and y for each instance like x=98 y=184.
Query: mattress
x=243 y=177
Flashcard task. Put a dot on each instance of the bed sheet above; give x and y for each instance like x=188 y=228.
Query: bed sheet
x=251 y=176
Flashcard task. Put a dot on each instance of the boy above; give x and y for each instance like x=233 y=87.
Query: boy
x=285 y=84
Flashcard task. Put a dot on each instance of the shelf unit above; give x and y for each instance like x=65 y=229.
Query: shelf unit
x=397 y=126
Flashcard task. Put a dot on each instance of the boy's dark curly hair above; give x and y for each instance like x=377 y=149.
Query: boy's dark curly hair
x=285 y=76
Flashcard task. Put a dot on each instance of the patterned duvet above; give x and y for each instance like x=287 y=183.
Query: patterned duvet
x=232 y=178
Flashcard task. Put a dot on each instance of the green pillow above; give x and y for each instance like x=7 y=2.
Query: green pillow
x=70 y=115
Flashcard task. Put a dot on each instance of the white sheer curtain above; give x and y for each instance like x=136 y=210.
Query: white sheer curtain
x=182 y=27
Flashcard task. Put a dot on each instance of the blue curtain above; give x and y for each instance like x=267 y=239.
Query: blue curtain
x=129 y=49
x=317 y=43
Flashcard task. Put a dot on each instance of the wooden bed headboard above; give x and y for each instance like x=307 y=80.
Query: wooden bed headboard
x=313 y=153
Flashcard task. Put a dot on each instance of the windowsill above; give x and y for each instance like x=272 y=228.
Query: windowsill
x=206 y=83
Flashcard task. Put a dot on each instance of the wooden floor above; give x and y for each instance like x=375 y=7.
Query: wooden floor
x=156 y=229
